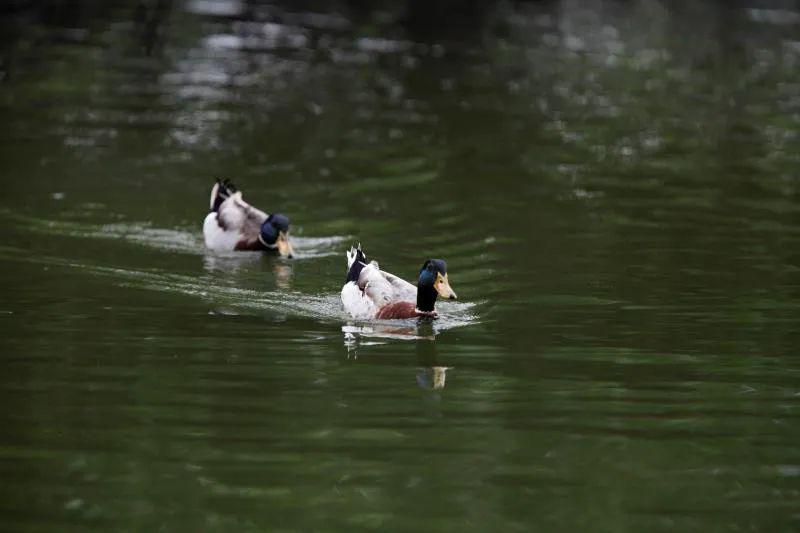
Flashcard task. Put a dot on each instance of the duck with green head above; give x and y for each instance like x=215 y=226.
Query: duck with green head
x=369 y=292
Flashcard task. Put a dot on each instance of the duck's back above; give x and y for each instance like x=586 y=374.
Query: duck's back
x=384 y=288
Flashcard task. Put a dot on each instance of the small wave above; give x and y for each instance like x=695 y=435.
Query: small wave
x=228 y=299
x=451 y=315
x=176 y=240
x=172 y=240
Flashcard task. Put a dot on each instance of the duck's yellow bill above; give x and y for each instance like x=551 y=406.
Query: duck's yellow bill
x=284 y=246
x=442 y=286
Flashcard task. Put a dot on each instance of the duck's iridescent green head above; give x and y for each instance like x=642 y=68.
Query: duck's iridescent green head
x=433 y=282
x=275 y=234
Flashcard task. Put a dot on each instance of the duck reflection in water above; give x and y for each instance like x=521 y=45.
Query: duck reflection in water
x=430 y=375
x=283 y=275
x=229 y=263
x=422 y=329
x=282 y=271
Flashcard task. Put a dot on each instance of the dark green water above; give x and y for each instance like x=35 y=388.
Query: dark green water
x=615 y=188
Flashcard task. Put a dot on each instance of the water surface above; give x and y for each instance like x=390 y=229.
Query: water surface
x=613 y=185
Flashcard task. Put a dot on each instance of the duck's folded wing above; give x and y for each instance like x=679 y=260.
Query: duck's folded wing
x=237 y=215
x=375 y=285
x=402 y=289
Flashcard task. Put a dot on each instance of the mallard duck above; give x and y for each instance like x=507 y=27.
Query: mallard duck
x=235 y=225
x=369 y=292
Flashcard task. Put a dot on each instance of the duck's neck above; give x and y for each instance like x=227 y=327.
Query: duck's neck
x=426 y=298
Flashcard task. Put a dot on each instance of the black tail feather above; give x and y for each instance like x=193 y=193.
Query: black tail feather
x=224 y=191
x=357 y=266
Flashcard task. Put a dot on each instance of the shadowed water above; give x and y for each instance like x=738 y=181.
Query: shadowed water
x=614 y=187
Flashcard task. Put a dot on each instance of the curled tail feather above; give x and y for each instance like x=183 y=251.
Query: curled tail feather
x=222 y=190
x=356 y=261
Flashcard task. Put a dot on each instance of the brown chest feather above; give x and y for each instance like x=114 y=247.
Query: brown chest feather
x=398 y=310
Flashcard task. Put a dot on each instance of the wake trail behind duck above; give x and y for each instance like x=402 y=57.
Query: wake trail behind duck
x=184 y=240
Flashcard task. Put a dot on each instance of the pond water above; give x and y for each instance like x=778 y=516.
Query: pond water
x=614 y=187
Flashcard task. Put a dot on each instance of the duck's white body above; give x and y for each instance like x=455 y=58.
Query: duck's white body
x=374 y=289
x=356 y=303
x=218 y=239
x=234 y=225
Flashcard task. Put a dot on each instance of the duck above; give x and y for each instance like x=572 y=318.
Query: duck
x=233 y=225
x=371 y=293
